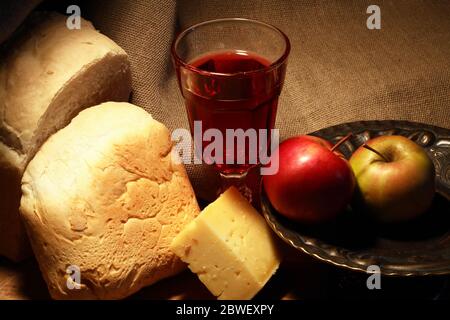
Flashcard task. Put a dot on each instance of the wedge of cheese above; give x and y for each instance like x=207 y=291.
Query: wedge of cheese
x=230 y=247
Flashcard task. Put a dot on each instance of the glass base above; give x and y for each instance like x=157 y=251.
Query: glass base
x=239 y=182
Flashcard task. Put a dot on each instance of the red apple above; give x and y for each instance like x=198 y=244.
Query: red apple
x=395 y=179
x=313 y=184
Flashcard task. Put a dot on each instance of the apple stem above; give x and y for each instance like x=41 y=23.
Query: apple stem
x=375 y=151
x=341 y=141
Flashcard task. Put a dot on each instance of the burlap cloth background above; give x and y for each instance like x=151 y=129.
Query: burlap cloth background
x=338 y=70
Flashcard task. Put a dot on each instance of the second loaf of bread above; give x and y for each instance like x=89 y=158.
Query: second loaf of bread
x=104 y=195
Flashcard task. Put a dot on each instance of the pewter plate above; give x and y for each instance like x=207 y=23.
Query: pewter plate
x=419 y=247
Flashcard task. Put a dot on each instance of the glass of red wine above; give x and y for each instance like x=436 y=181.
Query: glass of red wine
x=231 y=72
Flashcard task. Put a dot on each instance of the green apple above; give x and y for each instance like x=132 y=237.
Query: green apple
x=395 y=178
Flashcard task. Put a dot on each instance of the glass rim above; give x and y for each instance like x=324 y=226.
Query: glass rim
x=271 y=67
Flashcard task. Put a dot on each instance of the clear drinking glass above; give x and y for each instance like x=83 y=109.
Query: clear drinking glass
x=231 y=72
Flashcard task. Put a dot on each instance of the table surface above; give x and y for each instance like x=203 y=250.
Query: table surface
x=299 y=277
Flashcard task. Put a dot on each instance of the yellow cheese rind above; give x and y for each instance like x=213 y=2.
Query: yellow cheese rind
x=230 y=247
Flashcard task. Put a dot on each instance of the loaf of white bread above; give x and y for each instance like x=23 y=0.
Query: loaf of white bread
x=48 y=73
x=104 y=196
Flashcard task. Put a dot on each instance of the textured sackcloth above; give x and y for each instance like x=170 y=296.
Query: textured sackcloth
x=338 y=70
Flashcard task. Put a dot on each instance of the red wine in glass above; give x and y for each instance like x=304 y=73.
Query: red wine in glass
x=246 y=103
x=231 y=72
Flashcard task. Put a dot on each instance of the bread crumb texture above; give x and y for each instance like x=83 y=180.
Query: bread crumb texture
x=44 y=58
x=103 y=194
